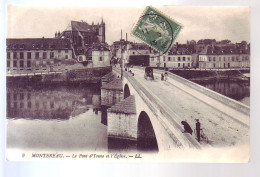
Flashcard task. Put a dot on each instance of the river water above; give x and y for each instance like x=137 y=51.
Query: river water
x=239 y=91
x=60 y=118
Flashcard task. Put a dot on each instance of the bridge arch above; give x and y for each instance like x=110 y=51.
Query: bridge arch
x=146 y=138
x=126 y=91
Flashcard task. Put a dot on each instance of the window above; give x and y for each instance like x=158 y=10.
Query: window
x=15 y=64
x=21 y=55
x=37 y=105
x=15 y=96
x=8 y=55
x=224 y=58
x=52 y=104
x=52 y=55
x=80 y=58
x=179 y=58
x=133 y=53
x=188 y=58
x=44 y=56
x=21 y=64
x=169 y=58
x=183 y=58
x=21 y=96
x=163 y=58
x=237 y=58
x=214 y=58
x=28 y=96
x=188 y=64
x=36 y=55
x=179 y=64
x=100 y=58
x=8 y=63
x=233 y=58
x=66 y=56
x=15 y=55
x=28 y=63
x=29 y=104
x=29 y=55
x=209 y=58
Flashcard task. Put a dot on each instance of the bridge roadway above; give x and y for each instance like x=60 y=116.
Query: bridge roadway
x=223 y=125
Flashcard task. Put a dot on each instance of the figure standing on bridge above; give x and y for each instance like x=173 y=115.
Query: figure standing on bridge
x=187 y=128
x=162 y=77
x=198 y=129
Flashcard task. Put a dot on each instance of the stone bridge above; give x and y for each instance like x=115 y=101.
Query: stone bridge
x=139 y=114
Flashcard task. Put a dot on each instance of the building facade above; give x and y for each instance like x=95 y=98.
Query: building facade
x=180 y=58
x=36 y=54
x=101 y=56
x=217 y=57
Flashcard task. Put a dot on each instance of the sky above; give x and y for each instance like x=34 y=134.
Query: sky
x=218 y=23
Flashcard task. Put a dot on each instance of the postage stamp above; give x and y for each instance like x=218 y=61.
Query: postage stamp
x=157 y=30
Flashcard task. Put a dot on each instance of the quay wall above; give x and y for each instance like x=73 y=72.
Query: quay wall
x=90 y=75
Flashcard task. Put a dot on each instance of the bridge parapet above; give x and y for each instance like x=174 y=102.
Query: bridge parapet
x=164 y=117
x=227 y=101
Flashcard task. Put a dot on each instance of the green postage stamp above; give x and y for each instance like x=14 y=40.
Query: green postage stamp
x=156 y=30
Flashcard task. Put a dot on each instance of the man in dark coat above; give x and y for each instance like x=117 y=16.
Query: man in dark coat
x=198 y=129
x=187 y=128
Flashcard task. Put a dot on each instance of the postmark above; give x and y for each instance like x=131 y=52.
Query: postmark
x=157 y=30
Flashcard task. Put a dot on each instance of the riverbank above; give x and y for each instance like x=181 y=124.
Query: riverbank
x=86 y=75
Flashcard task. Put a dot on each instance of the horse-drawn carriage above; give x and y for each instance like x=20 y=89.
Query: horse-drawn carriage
x=148 y=74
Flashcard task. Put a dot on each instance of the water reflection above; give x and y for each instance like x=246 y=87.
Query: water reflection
x=71 y=114
x=52 y=102
x=236 y=90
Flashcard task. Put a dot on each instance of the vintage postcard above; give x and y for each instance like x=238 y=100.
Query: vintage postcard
x=155 y=83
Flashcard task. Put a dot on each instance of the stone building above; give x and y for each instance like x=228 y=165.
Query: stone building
x=36 y=54
x=83 y=35
x=137 y=54
x=224 y=57
x=179 y=58
x=100 y=56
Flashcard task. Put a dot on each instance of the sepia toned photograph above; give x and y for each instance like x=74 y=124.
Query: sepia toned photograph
x=154 y=83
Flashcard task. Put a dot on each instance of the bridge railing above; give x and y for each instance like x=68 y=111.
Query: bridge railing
x=156 y=105
x=227 y=101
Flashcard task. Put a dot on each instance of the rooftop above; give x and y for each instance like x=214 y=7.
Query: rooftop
x=37 y=43
x=126 y=106
x=224 y=50
x=113 y=85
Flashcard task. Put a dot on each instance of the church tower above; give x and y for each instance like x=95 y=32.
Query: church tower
x=103 y=31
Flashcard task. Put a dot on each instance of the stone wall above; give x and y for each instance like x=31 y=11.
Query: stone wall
x=110 y=97
x=122 y=126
